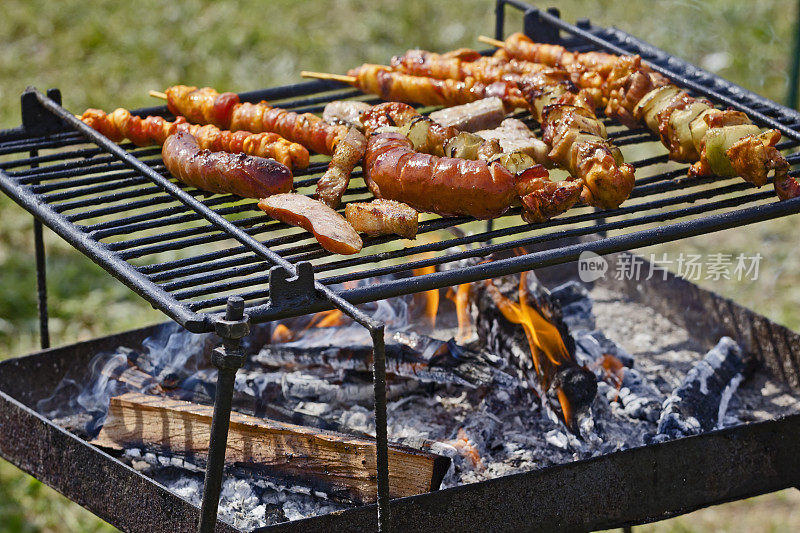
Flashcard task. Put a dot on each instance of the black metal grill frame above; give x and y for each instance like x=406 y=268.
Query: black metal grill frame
x=61 y=189
x=233 y=246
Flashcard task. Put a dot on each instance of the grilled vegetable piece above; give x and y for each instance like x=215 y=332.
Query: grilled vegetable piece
x=207 y=106
x=383 y=217
x=330 y=228
x=479 y=115
x=344 y=112
x=154 y=130
x=334 y=182
x=221 y=172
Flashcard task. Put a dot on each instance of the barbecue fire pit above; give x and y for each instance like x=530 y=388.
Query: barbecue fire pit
x=667 y=397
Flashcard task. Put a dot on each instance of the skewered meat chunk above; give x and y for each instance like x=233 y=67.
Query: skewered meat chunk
x=344 y=112
x=334 y=182
x=154 y=130
x=330 y=228
x=479 y=115
x=207 y=106
x=383 y=217
x=221 y=172
x=514 y=136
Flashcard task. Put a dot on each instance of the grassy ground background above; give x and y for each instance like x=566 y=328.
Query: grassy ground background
x=107 y=54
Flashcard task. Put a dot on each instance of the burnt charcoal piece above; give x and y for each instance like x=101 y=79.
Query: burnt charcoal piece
x=578 y=383
x=699 y=403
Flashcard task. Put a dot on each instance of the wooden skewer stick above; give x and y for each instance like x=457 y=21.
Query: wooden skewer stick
x=493 y=42
x=158 y=94
x=325 y=76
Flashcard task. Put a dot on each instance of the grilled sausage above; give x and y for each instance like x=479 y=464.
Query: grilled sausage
x=221 y=172
x=330 y=228
x=443 y=185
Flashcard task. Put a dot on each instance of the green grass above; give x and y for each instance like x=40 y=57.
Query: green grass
x=109 y=53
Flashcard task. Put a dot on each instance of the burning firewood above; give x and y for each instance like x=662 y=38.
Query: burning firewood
x=517 y=319
x=339 y=464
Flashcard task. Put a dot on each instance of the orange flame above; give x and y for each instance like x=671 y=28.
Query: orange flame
x=460 y=297
x=543 y=337
x=281 y=333
x=431 y=296
x=327 y=319
x=544 y=340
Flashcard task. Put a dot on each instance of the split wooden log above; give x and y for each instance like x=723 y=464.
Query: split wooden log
x=340 y=465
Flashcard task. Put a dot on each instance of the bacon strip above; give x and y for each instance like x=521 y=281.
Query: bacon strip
x=154 y=130
x=207 y=106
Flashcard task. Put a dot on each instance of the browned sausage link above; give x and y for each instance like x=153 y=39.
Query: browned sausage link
x=443 y=185
x=221 y=172
x=334 y=182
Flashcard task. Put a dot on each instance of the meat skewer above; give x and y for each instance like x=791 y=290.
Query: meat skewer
x=221 y=172
x=224 y=110
x=721 y=142
x=334 y=182
x=154 y=130
x=576 y=138
x=400 y=87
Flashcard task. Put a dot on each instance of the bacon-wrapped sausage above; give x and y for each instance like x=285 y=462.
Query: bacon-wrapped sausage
x=207 y=106
x=154 y=130
x=397 y=86
x=221 y=172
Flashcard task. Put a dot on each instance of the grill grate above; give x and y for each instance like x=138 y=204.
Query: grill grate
x=187 y=266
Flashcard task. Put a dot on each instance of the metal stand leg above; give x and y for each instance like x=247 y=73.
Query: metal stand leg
x=381 y=433
x=228 y=359
x=41 y=276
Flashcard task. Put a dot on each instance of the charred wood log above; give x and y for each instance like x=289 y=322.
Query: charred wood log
x=408 y=355
x=700 y=402
x=338 y=464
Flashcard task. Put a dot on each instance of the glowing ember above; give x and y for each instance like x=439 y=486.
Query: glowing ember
x=431 y=297
x=460 y=297
x=613 y=370
x=281 y=333
x=468 y=450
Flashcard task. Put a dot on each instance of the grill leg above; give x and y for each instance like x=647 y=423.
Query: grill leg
x=41 y=276
x=41 y=284
x=228 y=359
x=381 y=432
